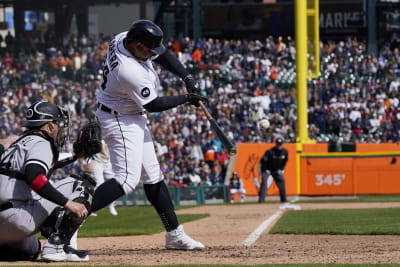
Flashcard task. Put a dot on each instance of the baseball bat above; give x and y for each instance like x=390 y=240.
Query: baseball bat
x=217 y=130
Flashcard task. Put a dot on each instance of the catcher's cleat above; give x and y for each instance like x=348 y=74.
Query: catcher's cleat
x=178 y=239
x=63 y=253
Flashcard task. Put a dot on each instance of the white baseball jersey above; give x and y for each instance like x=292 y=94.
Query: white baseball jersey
x=128 y=83
x=31 y=149
x=28 y=212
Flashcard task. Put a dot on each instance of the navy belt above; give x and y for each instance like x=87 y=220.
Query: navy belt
x=106 y=109
x=109 y=110
x=6 y=206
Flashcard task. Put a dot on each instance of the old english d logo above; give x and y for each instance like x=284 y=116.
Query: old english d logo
x=250 y=165
x=145 y=92
x=249 y=169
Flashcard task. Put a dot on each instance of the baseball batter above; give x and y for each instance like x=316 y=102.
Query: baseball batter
x=130 y=88
x=29 y=202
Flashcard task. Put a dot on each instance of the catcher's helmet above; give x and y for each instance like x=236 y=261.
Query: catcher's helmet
x=147 y=33
x=43 y=112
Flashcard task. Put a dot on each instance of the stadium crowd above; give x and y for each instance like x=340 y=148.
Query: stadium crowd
x=355 y=99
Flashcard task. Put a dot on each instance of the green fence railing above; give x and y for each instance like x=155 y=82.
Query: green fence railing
x=188 y=195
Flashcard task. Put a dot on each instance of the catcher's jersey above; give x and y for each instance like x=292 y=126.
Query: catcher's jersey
x=128 y=83
x=30 y=149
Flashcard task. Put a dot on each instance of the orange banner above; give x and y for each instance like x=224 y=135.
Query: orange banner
x=328 y=173
x=326 y=176
x=315 y=148
x=377 y=175
x=247 y=165
x=350 y=175
x=384 y=147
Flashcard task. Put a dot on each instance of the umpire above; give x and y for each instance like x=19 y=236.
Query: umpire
x=273 y=163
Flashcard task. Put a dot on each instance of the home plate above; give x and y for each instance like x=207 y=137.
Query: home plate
x=290 y=207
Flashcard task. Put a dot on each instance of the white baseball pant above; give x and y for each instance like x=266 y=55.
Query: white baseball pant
x=131 y=147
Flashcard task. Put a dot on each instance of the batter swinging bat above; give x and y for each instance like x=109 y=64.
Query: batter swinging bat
x=217 y=130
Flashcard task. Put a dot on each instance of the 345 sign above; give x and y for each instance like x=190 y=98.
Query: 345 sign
x=329 y=183
x=335 y=179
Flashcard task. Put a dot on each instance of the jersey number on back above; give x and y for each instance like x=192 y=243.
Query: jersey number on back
x=106 y=70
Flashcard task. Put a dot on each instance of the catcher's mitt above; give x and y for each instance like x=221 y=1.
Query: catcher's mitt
x=89 y=140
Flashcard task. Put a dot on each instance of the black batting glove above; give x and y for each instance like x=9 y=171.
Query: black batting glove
x=191 y=85
x=195 y=98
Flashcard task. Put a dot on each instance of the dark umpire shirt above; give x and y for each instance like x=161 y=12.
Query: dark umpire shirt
x=274 y=159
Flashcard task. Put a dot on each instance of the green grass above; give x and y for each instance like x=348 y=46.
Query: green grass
x=141 y=220
x=382 y=221
x=359 y=198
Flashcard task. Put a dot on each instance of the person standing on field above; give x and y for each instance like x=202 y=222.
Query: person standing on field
x=273 y=163
x=128 y=90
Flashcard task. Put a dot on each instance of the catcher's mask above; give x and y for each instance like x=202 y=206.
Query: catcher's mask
x=42 y=112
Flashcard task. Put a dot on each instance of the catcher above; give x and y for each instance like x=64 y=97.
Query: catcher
x=29 y=202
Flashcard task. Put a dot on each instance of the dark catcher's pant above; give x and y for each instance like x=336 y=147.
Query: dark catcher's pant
x=280 y=182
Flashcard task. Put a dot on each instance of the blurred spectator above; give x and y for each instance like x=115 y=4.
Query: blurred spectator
x=236 y=186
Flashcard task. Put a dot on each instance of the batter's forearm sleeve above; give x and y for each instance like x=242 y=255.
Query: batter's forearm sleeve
x=38 y=182
x=166 y=102
x=1 y=149
x=171 y=63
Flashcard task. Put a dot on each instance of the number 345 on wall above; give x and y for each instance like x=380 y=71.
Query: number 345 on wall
x=330 y=179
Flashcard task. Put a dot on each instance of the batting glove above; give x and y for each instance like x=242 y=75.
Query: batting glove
x=191 y=85
x=195 y=98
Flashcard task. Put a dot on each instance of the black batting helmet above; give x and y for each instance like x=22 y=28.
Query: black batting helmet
x=43 y=112
x=147 y=33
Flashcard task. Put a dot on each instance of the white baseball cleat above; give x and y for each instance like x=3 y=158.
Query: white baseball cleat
x=178 y=239
x=112 y=210
x=63 y=253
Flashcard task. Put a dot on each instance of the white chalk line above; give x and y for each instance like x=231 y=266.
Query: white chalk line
x=264 y=225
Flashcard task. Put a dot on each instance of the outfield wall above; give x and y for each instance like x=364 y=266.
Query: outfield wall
x=372 y=169
x=349 y=173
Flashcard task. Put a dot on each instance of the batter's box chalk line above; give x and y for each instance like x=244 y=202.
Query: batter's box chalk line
x=252 y=238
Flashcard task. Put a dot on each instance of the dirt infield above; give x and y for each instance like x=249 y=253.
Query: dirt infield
x=228 y=226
